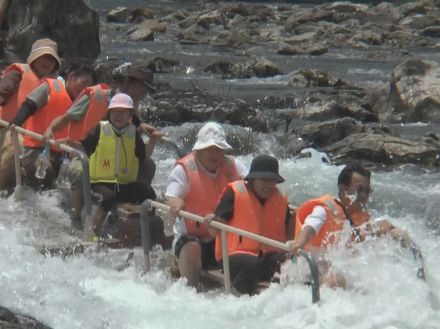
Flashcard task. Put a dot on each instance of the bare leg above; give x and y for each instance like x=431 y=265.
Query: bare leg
x=7 y=170
x=99 y=219
x=190 y=262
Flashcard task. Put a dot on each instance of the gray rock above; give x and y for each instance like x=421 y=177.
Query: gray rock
x=326 y=133
x=140 y=14
x=141 y=34
x=313 y=50
x=313 y=78
x=9 y=320
x=177 y=107
x=118 y=15
x=414 y=94
x=256 y=66
x=432 y=31
x=69 y=23
x=385 y=149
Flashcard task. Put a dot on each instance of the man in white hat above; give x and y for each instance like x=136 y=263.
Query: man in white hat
x=195 y=185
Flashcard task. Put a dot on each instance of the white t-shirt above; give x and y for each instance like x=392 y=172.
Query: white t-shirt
x=316 y=219
x=178 y=187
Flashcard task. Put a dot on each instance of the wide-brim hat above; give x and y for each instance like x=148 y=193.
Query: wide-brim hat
x=211 y=134
x=43 y=47
x=265 y=166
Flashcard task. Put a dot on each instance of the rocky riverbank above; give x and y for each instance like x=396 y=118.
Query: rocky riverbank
x=346 y=119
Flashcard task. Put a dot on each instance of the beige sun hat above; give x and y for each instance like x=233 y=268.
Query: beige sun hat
x=44 y=47
x=211 y=134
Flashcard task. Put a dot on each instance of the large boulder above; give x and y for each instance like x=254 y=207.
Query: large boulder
x=176 y=107
x=414 y=95
x=385 y=149
x=72 y=24
x=322 y=134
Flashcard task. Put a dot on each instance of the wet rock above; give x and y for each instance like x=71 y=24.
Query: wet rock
x=188 y=21
x=118 y=15
x=193 y=35
x=385 y=12
x=347 y=7
x=153 y=25
x=162 y=65
x=301 y=38
x=414 y=94
x=9 y=320
x=418 y=22
x=178 y=15
x=69 y=23
x=216 y=18
x=384 y=149
x=332 y=109
x=141 y=34
x=313 y=78
x=432 y=31
x=313 y=50
x=292 y=144
x=140 y=14
x=326 y=133
x=368 y=37
x=256 y=66
x=176 y=107
x=416 y=7
x=313 y=15
x=231 y=38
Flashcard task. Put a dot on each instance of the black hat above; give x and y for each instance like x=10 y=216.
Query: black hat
x=265 y=166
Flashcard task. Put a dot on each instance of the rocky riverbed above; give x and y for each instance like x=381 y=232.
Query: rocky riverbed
x=273 y=68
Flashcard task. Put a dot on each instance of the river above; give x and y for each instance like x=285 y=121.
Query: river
x=88 y=290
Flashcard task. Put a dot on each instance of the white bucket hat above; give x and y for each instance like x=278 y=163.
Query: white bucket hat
x=211 y=134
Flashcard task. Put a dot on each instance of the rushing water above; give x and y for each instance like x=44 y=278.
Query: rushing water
x=88 y=291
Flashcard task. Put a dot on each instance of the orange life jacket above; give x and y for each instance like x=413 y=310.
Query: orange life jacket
x=97 y=109
x=204 y=191
x=29 y=81
x=359 y=218
x=58 y=103
x=266 y=219
x=334 y=222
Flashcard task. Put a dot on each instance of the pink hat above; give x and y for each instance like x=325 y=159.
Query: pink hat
x=121 y=101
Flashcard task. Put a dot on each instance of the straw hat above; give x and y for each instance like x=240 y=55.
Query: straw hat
x=211 y=134
x=44 y=47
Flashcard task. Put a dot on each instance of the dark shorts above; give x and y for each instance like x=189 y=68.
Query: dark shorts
x=208 y=250
x=247 y=270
